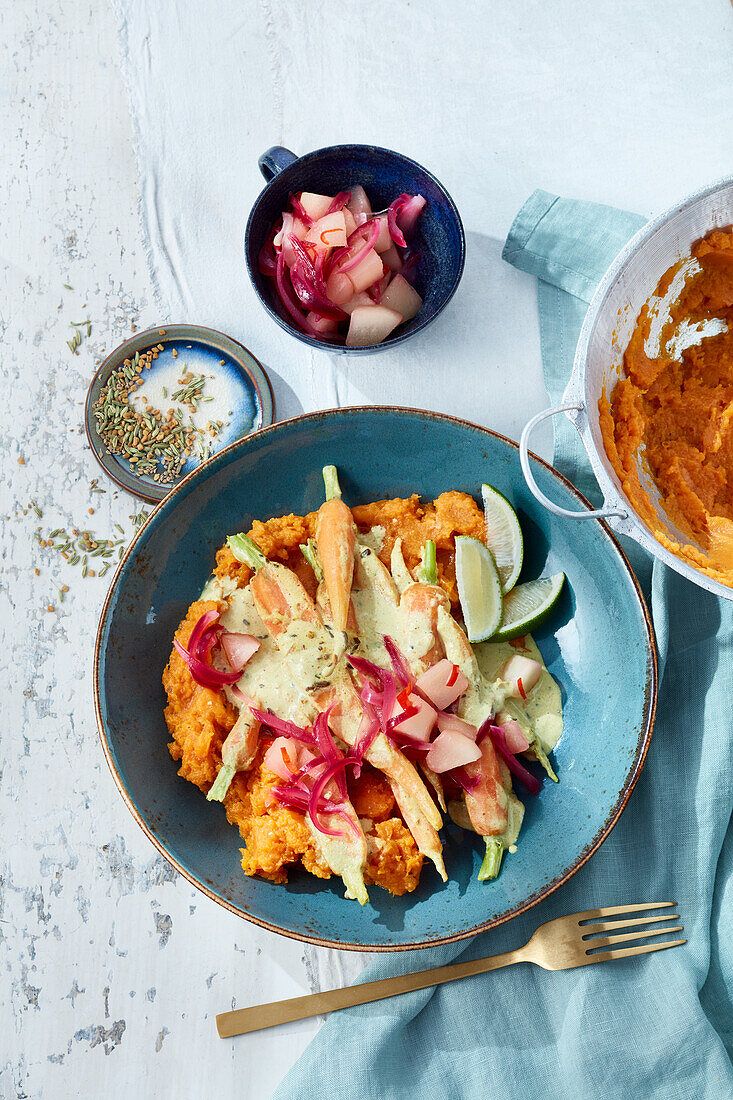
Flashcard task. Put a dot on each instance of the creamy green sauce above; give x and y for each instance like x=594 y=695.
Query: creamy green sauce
x=376 y=603
x=397 y=567
x=544 y=702
x=218 y=588
x=276 y=684
x=373 y=539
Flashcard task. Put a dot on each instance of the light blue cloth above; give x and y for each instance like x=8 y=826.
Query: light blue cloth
x=656 y=1026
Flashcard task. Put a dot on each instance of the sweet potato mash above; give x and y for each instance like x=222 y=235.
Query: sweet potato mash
x=450 y=514
x=676 y=413
x=200 y=718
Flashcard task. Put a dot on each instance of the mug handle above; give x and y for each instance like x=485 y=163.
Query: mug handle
x=273 y=161
x=599 y=513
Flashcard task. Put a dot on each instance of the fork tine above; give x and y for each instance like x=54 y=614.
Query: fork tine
x=606 y=941
x=612 y=925
x=623 y=953
x=613 y=910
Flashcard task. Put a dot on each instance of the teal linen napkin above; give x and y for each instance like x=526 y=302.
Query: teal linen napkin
x=656 y=1026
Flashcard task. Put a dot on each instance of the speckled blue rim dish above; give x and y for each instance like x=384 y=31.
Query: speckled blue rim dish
x=202 y=350
x=599 y=645
x=384 y=175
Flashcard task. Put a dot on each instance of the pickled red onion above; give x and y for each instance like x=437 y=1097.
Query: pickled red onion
x=328 y=748
x=282 y=726
x=462 y=779
x=311 y=297
x=394 y=230
x=267 y=260
x=398 y=661
x=498 y=740
x=406 y=207
x=368 y=730
x=410 y=212
x=300 y=211
x=288 y=301
x=205 y=635
x=339 y=202
x=329 y=773
x=204 y=674
x=372 y=229
x=204 y=624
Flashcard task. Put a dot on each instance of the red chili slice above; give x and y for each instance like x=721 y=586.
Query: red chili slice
x=325 y=233
x=409 y=712
x=404 y=698
x=286 y=760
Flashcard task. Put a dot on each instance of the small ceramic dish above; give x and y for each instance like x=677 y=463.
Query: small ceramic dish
x=236 y=392
x=438 y=234
x=598 y=645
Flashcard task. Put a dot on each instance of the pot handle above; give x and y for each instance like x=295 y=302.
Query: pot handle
x=274 y=159
x=599 y=513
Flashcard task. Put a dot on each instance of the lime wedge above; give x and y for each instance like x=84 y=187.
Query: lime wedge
x=503 y=536
x=528 y=605
x=479 y=588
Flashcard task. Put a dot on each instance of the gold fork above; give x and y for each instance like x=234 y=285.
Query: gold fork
x=557 y=945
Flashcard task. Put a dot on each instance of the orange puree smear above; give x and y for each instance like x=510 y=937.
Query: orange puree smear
x=200 y=718
x=681 y=413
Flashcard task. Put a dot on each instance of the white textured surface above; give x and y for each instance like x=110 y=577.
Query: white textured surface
x=111 y=967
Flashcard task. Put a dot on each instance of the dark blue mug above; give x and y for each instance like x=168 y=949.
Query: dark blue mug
x=438 y=234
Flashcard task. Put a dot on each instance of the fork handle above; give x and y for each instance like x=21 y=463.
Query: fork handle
x=243 y=1020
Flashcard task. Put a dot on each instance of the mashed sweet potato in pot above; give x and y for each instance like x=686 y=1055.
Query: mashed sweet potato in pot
x=676 y=414
x=200 y=718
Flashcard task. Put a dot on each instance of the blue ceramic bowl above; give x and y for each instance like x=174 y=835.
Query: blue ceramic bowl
x=598 y=644
x=384 y=175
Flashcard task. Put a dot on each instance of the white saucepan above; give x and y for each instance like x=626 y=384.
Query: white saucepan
x=629 y=282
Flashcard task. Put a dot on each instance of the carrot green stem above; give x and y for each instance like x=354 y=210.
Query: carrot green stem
x=331 y=481
x=221 y=784
x=427 y=572
x=246 y=551
x=492 y=860
x=310 y=553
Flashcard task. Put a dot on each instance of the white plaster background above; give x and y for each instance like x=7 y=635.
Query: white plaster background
x=112 y=967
